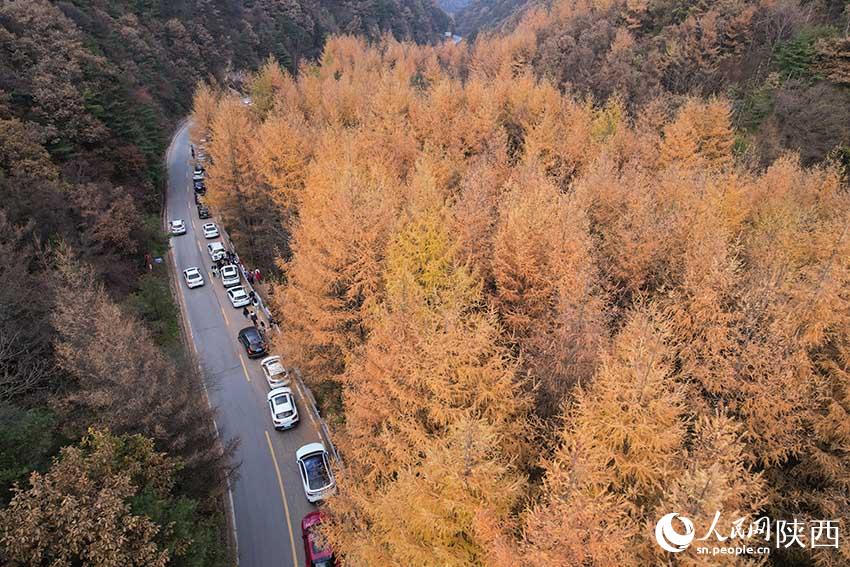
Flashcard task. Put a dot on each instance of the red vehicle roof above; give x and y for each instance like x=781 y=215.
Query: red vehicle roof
x=314 y=548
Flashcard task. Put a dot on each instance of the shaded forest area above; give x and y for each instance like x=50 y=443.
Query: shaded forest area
x=90 y=355
x=538 y=320
x=490 y=15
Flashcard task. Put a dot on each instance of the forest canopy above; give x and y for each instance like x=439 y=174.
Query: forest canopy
x=541 y=320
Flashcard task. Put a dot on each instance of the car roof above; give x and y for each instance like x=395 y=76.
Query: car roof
x=229 y=268
x=193 y=270
x=308 y=449
x=312 y=519
x=237 y=289
x=280 y=392
x=249 y=331
x=215 y=245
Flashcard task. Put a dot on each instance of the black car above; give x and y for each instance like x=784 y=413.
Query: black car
x=200 y=187
x=253 y=341
x=203 y=212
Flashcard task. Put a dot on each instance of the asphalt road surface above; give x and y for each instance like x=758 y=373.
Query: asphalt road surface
x=267 y=497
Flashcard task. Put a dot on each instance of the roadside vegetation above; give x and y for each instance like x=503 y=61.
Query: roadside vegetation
x=554 y=309
x=99 y=405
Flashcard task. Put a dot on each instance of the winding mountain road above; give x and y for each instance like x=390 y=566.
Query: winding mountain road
x=267 y=498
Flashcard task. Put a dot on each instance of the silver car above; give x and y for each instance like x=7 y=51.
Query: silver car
x=193 y=277
x=283 y=409
x=316 y=474
x=229 y=275
x=275 y=373
x=238 y=296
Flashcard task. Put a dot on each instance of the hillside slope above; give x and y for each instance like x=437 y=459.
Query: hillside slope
x=484 y=15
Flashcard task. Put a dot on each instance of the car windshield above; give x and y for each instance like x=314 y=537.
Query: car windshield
x=318 y=544
x=317 y=473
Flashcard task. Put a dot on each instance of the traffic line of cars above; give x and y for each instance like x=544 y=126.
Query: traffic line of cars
x=312 y=459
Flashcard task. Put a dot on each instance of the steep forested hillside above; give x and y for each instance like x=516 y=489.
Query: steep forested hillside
x=453 y=6
x=783 y=65
x=540 y=320
x=490 y=15
x=89 y=336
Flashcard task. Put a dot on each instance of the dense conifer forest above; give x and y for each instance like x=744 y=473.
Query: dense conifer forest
x=556 y=283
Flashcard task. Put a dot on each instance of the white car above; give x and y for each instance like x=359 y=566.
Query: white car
x=177 y=227
x=210 y=230
x=197 y=176
x=316 y=474
x=193 y=277
x=282 y=406
x=216 y=250
x=238 y=296
x=275 y=373
x=229 y=275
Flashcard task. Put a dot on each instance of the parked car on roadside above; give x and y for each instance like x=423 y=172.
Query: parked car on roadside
x=216 y=250
x=203 y=212
x=238 y=296
x=283 y=409
x=229 y=275
x=317 y=551
x=316 y=475
x=253 y=341
x=276 y=374
x=210 y=230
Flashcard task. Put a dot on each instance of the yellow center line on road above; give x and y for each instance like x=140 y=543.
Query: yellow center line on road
x=283 y=497
x=244 y=368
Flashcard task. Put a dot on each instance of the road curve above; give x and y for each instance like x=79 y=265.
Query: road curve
x=267 y=497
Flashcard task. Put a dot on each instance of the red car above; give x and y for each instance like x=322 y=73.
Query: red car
x=316 y=550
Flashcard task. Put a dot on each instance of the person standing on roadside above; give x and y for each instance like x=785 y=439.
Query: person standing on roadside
x=192 y=148
x=254 y=318
x=245 y=312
